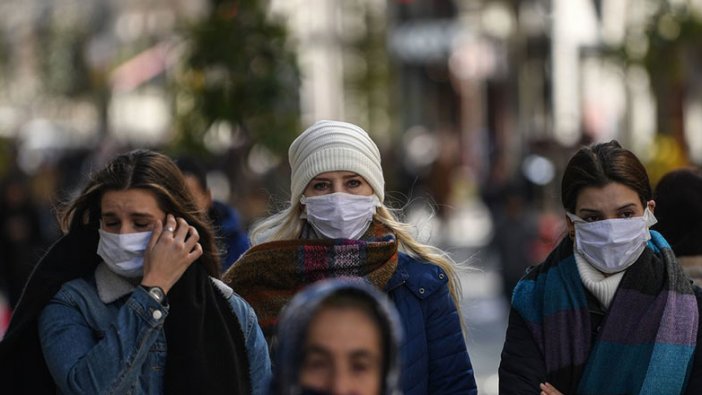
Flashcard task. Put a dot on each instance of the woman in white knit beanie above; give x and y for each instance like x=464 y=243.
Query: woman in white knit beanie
x=337 y=225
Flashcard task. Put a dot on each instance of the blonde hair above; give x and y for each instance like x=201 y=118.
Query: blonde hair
x=287 y=225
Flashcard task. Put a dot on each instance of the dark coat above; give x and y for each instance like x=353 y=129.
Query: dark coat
x=231 y=237
x=433 y=352
x=522 y=368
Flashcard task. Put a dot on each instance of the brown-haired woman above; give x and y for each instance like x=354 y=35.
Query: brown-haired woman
x=138 y=307
x=609 y=311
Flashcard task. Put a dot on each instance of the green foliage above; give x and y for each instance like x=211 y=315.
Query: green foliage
x=63 y=65
x=237 y=70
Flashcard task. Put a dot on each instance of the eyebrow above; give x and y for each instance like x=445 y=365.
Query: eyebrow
x=133 y=215
x=314 y=349
x=592 y=210
x=327 y=179
x=362 y=354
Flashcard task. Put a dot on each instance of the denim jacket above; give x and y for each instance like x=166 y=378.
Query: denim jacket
x=104 y=335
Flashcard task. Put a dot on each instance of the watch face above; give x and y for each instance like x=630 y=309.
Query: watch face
x=156 y=293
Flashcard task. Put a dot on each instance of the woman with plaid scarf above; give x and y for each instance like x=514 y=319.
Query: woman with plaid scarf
x=337 y=225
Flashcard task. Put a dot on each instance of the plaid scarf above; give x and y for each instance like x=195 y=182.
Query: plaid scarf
x=647 y=339
x=269 y=274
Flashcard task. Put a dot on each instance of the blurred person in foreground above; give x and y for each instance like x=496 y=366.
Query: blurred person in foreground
x=337 y=336
x=139 y=308
x=679 y=212
x=337 y=225
x=610 y=311
x=231 y=238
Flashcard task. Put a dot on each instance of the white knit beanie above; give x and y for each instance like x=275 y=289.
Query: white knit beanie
x=334 y=146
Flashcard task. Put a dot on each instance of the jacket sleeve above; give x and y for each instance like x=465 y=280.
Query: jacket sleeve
x=83 y=362
x=522 y=367
x=450 y=369
x=256 y=346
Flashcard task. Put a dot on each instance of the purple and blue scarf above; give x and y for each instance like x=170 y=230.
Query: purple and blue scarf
x=647 y=338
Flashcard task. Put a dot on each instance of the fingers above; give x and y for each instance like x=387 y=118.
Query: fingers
x=169 y=228
x=181 y=229
x=548 y=389
x=192 y=239
x=157 y=230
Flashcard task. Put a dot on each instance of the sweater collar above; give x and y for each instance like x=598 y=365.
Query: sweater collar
x=602 y=287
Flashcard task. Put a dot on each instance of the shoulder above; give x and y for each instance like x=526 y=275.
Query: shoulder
x=244 y=312
x=421 y=277
x=77 y=288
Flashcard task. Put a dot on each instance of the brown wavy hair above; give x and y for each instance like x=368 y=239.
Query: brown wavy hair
x=152 y=171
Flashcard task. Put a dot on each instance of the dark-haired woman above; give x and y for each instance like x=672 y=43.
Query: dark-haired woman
x=610 y=310
x=127 y=302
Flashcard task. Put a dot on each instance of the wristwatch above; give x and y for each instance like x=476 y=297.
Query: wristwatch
x=156 y=293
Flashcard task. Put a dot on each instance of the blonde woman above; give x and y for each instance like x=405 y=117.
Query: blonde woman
x=337 y=225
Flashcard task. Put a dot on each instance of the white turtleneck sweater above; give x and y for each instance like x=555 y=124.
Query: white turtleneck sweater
x=601 y=286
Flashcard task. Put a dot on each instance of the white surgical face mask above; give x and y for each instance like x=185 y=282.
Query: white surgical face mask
x=124 y=253
x=340 y=215
x=612 y=245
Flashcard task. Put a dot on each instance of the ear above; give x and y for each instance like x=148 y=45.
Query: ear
x=651 y=205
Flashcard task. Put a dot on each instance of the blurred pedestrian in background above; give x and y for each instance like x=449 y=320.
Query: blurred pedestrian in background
x=610 y=310
x=231 y=237
x=337 y=225
x=338 y=336
x=679 y=213
x=515 y=237
x=139 y=308
x=21 y=238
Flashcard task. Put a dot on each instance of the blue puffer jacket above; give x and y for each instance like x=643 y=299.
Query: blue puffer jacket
x=434 y=355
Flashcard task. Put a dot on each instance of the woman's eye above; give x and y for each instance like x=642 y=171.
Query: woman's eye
x=110 y=224
x=360 y=367
x=142 y=225
x=591 y=218
x=320 y=186
x=354 y=183
x=315 y=363
x=627 y=214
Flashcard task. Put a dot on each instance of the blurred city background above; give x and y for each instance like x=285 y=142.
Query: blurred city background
x=476 y=106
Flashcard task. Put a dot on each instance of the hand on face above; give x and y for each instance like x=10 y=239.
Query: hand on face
x=173 y=247
x=171 y=250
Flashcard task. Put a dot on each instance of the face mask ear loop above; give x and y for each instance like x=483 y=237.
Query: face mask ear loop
x=650 y=218
x=574 y=217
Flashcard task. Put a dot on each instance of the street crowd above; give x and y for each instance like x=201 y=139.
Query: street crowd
x=153 y=287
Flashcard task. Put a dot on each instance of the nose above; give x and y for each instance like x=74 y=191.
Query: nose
x=126 y=228
x=343 y=384
x=337 y=186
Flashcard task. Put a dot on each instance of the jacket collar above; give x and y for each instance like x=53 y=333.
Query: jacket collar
x=401 y=274
x=111 y=286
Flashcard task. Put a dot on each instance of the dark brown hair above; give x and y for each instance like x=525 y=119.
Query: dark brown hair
x=599 y=165
x=679 y=210
x=152 y=171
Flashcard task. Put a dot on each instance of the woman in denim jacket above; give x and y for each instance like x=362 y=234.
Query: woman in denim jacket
x=139 y=308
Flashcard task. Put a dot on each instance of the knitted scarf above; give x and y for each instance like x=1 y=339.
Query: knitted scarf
x=206 y=350
x=647 y=339
x=269 y=274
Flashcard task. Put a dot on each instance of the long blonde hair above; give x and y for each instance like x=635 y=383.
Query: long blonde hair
x=286 y=224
